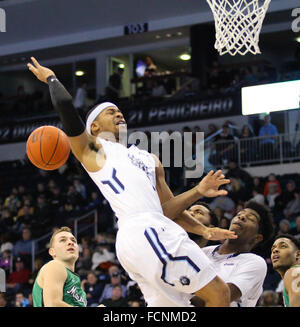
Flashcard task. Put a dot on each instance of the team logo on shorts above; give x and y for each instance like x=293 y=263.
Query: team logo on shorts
x=184 y=280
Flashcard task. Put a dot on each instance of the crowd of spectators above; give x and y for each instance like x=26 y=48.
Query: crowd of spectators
x=157 y=85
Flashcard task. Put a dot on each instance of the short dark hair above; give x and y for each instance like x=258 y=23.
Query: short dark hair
x=266 y=227
x=213 y=218
x=290 y=237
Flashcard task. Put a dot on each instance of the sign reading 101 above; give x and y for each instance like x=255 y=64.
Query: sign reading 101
x=135 y=28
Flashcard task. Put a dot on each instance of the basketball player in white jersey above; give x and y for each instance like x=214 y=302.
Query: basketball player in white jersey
x=155 y=251
x=243 y=271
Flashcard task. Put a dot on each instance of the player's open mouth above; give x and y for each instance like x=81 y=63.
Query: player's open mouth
x=121 y=122
x=71 y=250
x=275 y=258
x=237 y=224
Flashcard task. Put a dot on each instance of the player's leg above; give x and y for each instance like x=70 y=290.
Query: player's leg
x=215 y=294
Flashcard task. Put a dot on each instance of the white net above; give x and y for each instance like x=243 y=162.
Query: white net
x=238 y=24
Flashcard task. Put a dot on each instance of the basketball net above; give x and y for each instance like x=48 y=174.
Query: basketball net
x=238 y=24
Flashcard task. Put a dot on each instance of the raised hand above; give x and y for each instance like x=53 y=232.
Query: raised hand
x=216 y=234
x=41 y=72
x=209 y=185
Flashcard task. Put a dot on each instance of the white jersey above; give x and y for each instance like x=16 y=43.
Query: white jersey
x=127 y=180
x=155 y=251
x=247 y=271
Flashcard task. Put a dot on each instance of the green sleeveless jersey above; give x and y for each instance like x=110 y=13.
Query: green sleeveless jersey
x=286 y=300
x=73 y=294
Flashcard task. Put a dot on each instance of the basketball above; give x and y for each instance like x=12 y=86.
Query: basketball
x=48 y=147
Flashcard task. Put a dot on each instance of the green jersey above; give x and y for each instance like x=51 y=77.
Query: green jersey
x=73 y=294
x=286 y=299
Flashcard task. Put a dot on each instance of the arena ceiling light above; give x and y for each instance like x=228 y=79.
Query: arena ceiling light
x=298 y=39
x=185 y=56
x=79 y=73
x=121 y=66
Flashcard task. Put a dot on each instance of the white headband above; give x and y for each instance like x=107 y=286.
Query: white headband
x=96 y=112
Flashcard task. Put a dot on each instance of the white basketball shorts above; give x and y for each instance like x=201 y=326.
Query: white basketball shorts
x=158 y=254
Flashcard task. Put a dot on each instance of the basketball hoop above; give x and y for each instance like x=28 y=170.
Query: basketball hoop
x=238 y=24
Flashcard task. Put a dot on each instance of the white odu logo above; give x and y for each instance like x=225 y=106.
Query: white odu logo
x=2 y=20
x=296 y=22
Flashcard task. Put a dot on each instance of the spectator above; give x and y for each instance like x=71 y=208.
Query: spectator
x=74 y=197
x=212 y=129
x=286 y=196
x=25 y=220
x=284 y=227
x=42 y=213
x=24 y=247
x=214 y=76
x=258 y=184
x=224 y=147
x=30 y=299
x=271 y=180
x=21 y=300
x=3 y=301
x=56 y=200
x=158 y=89
x=272 y=195
x=115 y=280
x=134 y=292
x=10 y=201
x=296 y=230
x=93 y=289
x=80 y=188
x=247 y=145
x=269 y=299
x=236 y=190
x=116 y=299
x=102 y=255
x=80 y=99
x=150 y=67
x=115 y=85
x=257 y=197
x=268 y=132
x=38 y=264
x=6 y=221
x=41 y=190
x=223 y=202
x=68 y=213
x=293 y=207
x=93 y=201
x=5 y=243
x=5 y=260
x=18 y=279
x=84 y=263
x=241 y=174
x=85 y=243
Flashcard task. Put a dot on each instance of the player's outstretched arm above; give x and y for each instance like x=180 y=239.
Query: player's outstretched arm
x=54 y=277
x=184 y=219
x=208 y=187
x=292 y=285
x=62 y=101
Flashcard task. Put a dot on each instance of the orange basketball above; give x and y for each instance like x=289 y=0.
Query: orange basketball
x=48 y=147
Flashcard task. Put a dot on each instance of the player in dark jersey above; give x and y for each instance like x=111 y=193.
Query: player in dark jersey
x=285 y=256
x=202 y=212
x=57 y=285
